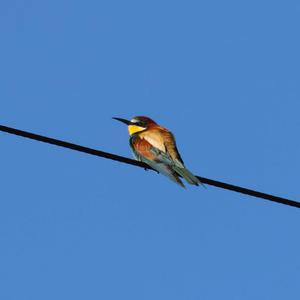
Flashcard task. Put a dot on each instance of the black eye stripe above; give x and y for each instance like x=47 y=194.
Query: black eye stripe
x=139 y=123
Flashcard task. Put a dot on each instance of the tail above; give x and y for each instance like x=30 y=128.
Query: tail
x=169 y=172
x=187 y=175
x=165 y=170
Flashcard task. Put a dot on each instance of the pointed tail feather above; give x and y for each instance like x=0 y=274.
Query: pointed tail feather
x=165 y=170
x=170 y=173
x=176 y=179
x=187 y=175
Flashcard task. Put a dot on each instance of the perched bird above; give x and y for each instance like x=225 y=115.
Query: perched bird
x=156 y=146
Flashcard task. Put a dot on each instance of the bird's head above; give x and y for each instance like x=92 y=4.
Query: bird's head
x=137 y=124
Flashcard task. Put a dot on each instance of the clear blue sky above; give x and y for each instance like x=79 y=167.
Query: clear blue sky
x=223 y=76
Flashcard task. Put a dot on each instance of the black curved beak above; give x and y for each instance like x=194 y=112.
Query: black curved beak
x=123 y=121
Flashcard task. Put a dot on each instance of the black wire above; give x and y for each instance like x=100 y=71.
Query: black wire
x=129 y=161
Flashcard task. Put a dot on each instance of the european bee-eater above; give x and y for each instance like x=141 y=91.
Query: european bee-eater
x=156 y=146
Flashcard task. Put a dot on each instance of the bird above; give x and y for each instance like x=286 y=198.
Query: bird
x=155 y=145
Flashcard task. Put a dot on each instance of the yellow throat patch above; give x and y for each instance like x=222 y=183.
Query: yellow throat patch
x=134 y=129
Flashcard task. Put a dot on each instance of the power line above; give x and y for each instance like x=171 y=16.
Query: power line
x=129 y=161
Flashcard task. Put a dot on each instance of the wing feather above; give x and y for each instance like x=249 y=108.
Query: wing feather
x=155 y=158
x=159 y=151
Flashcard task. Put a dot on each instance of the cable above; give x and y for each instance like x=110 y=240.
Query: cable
x=129 y=161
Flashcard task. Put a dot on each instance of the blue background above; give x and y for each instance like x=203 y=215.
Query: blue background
x=223 y=76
